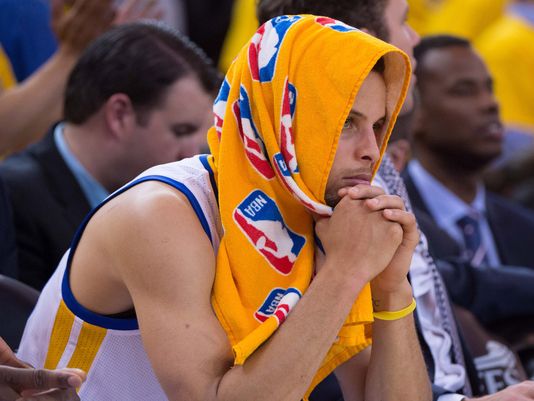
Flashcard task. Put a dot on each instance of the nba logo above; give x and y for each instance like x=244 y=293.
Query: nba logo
x=279 y=303
x=265 y=45
x=254 y=146
x=287 y=142
x=219 y=107
x=335 y=24
x=262 y=223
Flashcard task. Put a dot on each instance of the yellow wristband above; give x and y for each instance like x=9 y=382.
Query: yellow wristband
x=395 y=315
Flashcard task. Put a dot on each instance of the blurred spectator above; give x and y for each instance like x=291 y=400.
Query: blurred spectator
x=207 y=24
x=506 y=47
x=421 y=11
x=457 y=134
x=27 y=110
x=243 y=25
x=26 y=34
x=135 y=99
x=463 y=18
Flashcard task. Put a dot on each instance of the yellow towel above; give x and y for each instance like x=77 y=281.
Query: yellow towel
x=278 y=118
x=507 y=49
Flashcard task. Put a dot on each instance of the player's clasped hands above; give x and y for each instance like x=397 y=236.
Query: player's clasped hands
x=387 y=235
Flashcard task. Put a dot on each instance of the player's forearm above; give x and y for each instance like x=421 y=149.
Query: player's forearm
x=397 y=370
x=28 y=110
x=285 y=366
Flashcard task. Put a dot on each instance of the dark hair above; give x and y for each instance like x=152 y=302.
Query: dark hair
x=141 y=60
x=433 y=42
x=367 y=14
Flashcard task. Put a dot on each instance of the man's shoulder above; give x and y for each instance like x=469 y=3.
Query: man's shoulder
x=29 y=164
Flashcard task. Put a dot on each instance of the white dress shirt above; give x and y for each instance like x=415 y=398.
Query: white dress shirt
x=446 y=208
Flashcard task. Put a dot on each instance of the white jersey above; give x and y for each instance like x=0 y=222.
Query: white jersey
x=62 y=333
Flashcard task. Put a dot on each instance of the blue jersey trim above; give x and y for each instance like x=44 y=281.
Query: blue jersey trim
x=204 y=160
x=68 y=297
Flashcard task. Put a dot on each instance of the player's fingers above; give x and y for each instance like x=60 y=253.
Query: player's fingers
x=385 y=202
x=361 y=191
x=407 y=221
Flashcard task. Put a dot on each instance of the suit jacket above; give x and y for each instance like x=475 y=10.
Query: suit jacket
x=48 y=205
x=491 y=294
x=512 y=227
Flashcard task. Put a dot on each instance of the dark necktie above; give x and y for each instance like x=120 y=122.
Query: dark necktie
x=395 y=186
x=475 y=251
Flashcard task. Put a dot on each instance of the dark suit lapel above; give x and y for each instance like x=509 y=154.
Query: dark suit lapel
x=499 y=227
x=415 y=197
x=61 y=181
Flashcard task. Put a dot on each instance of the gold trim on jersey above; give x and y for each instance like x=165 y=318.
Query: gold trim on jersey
x=59 y=337
x=88 y=341
x=87 y=346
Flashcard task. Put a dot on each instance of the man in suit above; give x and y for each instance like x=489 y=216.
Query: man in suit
x=451 y=367
x=132 y=101
x=457 y=133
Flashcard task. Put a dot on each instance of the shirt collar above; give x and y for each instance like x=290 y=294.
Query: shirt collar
x=523 y=10
x=92 y=189
x=444 y=205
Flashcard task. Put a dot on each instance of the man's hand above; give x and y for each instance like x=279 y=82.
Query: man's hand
x=76 y=23
x=358 y=239
x=20 y=382
x=520 y=392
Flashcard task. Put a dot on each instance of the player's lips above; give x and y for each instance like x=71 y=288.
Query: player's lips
x=359 y=179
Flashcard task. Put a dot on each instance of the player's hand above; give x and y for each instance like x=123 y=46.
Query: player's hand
x=357 y=239
x=392 y=208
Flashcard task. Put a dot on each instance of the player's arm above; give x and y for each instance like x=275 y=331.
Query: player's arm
x=168 y=266
x=396 y=368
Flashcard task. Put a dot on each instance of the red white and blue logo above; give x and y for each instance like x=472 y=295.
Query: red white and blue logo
x=262 y=223
x=287 y=141
x=335 y=24
x=279 y=303
x=265 y=46
x=254 y=145
x=219 y=107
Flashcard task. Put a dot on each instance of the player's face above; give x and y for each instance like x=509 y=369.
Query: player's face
x=359 y=144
